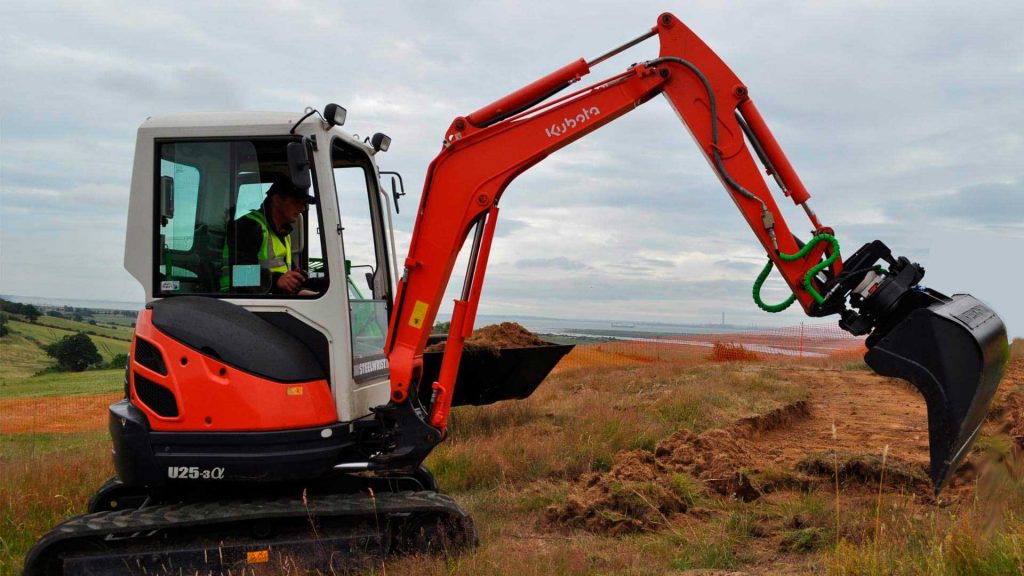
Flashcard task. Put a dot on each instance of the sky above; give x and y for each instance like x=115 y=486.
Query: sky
x=904 y=121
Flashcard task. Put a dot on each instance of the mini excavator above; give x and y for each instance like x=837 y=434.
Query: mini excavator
x=261 y=428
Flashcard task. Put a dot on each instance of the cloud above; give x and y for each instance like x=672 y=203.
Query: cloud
x=510 y=226
x=989 y=205
x=559 y=263
x=899 y=117
x=192 y=86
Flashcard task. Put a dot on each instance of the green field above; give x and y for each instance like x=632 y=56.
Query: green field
x=45 y=334
x=22 y=357
x=117 y=333
x=64 y=384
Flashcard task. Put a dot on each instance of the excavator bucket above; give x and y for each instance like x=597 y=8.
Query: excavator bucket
x=954 y=351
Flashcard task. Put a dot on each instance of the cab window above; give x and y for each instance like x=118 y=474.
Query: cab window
x=217 y=235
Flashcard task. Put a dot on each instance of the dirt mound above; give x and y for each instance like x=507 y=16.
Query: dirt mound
x=851 y=418
x=639 y=493
x=494 y=337
x=718 y=457
x=643 y=488
x=777 y=418
x=866 y=469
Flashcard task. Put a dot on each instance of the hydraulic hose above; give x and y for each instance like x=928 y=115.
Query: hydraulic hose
x=768 y=219
x=808 y=278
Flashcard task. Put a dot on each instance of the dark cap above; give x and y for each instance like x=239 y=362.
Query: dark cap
x=282 y=186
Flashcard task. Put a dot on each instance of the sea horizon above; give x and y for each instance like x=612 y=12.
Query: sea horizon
x=74 y=302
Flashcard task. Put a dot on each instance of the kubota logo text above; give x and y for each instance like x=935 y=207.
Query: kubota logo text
x=568 y=123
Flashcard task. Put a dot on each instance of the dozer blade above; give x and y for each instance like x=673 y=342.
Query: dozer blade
x=954 y=352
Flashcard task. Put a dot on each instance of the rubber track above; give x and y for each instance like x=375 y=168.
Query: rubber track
x=207 y=514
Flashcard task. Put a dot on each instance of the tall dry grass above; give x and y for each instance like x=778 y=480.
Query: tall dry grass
x=581 y=418
x=44 y=479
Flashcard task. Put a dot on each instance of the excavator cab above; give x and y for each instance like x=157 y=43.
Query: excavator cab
x=200 y=192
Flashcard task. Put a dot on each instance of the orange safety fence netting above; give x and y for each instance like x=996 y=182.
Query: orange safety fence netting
x=804 y=342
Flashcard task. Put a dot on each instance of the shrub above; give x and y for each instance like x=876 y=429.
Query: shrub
x=31 y=313
x=118 y=361
x=74 y=353
x=726 y=352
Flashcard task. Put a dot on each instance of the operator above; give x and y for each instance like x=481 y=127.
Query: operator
x=261 y=238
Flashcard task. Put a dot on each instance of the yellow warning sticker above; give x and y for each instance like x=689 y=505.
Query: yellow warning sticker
x=257 y=557
x=295 y=390
x=419 y=312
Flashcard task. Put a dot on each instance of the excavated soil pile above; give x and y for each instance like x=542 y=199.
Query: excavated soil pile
x=866 y=469
x=636 y=494
x=643 y=489
x=495 y=337
x=849 y=421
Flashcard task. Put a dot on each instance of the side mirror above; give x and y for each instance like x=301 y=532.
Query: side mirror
x=298 y=165
x=396 y=182
x=166 y=199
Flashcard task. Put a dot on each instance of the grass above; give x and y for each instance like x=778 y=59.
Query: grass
x=107 y=331
x=46 y=478
x=46 y=334
x=508 y=463
x=65 y=384
x=22 y=446
x=22 y=357
x=936 y=542
x=579 y=419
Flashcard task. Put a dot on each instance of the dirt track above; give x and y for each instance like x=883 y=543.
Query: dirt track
x=851 y=412
x=862 y=426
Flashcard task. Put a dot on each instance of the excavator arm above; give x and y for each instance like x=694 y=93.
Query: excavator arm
x=484 y=151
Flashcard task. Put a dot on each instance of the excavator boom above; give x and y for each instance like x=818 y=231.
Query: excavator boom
x=484 y=151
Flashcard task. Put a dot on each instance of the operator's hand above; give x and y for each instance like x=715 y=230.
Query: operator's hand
x=290 y=281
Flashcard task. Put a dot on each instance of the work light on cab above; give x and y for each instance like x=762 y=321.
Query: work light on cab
x=380 y=142
x=335 y=115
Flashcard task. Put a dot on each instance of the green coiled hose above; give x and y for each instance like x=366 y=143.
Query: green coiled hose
x=808 y=284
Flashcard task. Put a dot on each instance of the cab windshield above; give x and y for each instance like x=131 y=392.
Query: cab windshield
x=219 y=236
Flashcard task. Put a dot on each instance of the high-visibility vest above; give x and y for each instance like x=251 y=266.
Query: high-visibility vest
x=274 y=256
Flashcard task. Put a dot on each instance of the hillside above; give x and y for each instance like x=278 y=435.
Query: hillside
x=23 y=359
